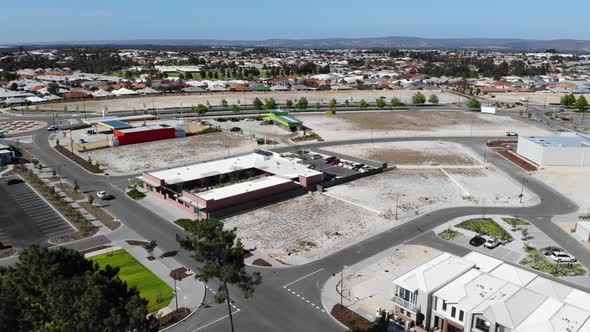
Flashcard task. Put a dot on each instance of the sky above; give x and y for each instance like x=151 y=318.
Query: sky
x=66 y=20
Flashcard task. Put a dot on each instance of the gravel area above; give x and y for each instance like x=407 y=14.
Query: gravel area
x=411 y=123
x=134 y=158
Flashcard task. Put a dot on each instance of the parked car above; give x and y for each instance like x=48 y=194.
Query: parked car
x=328 y=160
x=104 y=195
x=550 y=250
x=52 y=128
x=316 y=156
x=511 y=133
x=220 y=119
x=82 y=141
x=235 y=129
x=477 y=241
x=492 y=243
x=334 y=161
x=234 y=119
x=91 y=132
x=248 y=119
x=562 y=257
x=10 y=182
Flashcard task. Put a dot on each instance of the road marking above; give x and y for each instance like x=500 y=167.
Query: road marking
x=305 y=276
x=215 y=321
x=119 y=189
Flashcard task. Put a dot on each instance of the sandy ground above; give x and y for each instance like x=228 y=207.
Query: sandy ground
x=134 y=158
x=255 y=130
x=149 y=102
x=368 y=283
x=411 y=123
x=306 y=228
x=538 y=98
x=571 y=181
x=411 y=153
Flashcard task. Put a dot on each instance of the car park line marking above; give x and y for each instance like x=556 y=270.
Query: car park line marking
x=305 y=276
x=51 y=206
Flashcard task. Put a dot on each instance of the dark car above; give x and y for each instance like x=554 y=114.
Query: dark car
x=13 y=181
x=235 y=129
x=335 y=161
x=220 y=120
x=234 y=119
x=328 y=160
x=477 y=241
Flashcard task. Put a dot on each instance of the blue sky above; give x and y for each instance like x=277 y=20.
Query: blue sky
x=66 y=20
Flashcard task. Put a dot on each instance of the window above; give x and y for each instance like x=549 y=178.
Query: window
x=435 y=303
x=461 y=313
x=453 y=311
x=444 y=305
x=402 y=311
x=482 y=325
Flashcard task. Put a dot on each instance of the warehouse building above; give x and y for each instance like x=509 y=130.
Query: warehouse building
x=142 y=134
x=565 y=149
x=203 y=188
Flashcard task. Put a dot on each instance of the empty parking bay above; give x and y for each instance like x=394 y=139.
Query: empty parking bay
x=25 y=218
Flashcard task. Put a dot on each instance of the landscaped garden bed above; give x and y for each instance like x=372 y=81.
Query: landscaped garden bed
x=150 y=286
x=135 y=194
x=537 y=262
x=448 y=234
x=93 y=168
x=350 y=318
x=109 y=221
x=486 y=226
x=515 y=222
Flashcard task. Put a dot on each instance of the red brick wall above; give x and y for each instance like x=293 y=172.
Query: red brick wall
x=152 y=178
x=306 y=181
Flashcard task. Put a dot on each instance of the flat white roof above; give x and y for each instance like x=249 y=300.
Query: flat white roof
x=483 y=262
x=272 y=163
x=435 y=273
x=241 y=188
x=513 y=274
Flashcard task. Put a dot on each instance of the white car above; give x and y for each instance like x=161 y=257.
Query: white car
x=492 y=243
x=562 y=257
x=103 y=195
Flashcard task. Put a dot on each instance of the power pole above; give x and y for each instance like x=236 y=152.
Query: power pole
x=71 y=140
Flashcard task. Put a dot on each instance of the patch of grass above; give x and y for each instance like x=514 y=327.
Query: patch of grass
x=537 y=262
x=448 y=234
x=309 y=137
x=208 y=131
x=183 y=222
x=515 y=221
x=135 y=194
x=486 y=226
x=150 y=287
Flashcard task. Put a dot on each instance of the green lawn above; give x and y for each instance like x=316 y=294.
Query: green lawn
x=486 y=226
x=150 y=287
x=183 y=222
x=135 y=194
x=515 y=221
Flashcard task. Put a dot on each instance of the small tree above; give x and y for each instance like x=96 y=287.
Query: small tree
x=150 y=247
x=433 y=99
x=90 y=199
x=289 y=103
x=418 y=98
x=473 y=103
x=301 y=103
x=76 y=185
x=270 y=104
x=363 y=104
x=380 y=102
x=235 y=108
x=333 y=104
x=317 y=106
x=200 y=109
x=581 y=103
x=221 y=256
x=395 y=102
x=257 y=103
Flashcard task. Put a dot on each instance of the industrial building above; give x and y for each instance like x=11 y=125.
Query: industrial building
x=478 y=293
x=565 y=149
x=143 y=134
x=202 y=188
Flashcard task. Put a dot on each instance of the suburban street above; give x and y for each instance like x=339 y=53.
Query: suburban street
x=273 y=307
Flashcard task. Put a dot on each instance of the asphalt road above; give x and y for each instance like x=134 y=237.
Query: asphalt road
x=273 y=308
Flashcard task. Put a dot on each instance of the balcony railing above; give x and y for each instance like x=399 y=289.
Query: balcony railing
x=407 y=305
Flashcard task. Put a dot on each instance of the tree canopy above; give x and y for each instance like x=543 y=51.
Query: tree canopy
x=301 y=103
x=581 y=103
x=433 y=99
x=474 y=103
x=59 y=290
x=418 y=98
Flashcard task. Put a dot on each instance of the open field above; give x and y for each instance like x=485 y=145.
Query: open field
x=133 y=158
x=243 y=98
x=411 y=123
x=538 y=98
x=150 y=287
x=410 y=153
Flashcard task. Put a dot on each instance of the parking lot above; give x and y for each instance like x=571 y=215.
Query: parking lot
x=341 y=168
x=25 y=218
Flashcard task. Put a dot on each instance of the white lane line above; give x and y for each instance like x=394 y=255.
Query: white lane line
x=215 y=321
x=305 y=276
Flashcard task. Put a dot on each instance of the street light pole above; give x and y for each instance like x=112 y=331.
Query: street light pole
x=522 y=189
x=175 y=292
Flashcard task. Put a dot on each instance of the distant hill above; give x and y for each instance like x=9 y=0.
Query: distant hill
x=379 y=42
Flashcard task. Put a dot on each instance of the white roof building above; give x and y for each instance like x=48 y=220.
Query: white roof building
x=124 y=92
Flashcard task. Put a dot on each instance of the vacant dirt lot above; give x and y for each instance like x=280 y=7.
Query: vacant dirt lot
x=306 y=228
x=571 y=181
x=134 y=158
x=414 y=123
x=411 y=153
